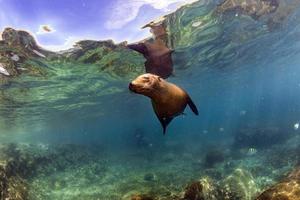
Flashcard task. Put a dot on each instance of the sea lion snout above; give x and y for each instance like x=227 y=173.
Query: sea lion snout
x=131 y=87
x=143 y=84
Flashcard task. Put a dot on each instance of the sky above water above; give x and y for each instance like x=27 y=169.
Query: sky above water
x=73 y=20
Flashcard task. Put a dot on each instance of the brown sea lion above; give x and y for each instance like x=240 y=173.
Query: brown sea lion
x=168 y=100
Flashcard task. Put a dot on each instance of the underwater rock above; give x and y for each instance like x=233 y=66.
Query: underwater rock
x=213 y=157
x=23 y=162
x=287 y=189
x=149 y=177
x=142 y=197
x=194 y=191
x=260 y=137
x=204 y=189
x=239 y=185
x=12 y=186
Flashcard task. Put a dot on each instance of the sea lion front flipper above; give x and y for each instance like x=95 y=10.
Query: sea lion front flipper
x=139 y=47
x=165 y=122
x=192 y=106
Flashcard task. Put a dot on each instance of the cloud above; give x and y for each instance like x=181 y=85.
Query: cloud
x=45 y=29
x=124 y=12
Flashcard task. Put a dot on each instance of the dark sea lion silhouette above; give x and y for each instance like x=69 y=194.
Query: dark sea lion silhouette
x=168 y=100
x=158 y=55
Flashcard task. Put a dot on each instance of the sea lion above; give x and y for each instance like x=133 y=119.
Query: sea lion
x=168 y=100
x=158 y=29
x=156 y=51
x=158 y=57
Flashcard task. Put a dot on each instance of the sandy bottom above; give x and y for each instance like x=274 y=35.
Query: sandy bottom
x=91 y=175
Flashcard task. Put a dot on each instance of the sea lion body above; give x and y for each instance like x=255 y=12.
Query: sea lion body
x=168 y=100
x=158 y=57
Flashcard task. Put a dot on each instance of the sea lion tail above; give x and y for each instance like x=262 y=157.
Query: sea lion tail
x=192 y=106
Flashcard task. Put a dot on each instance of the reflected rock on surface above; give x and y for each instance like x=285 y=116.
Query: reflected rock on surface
x=253 y=8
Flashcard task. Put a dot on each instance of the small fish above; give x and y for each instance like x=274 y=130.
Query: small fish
x=22 y=69
x=3 y=70
x=296 y=126
x=15 y=57
x=196 y=24
x=243 y=112
x=39 y=53
x=251 y=151
x=221 y=129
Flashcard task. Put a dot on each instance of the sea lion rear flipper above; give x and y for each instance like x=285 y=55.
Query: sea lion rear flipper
x=192 y=106
x=165 y=122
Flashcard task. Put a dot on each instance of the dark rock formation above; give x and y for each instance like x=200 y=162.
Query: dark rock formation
x=19 y=163
x=194 y=191
x=142 y=197
x=204 y=189
x=149 y=177
x=12 y=187
x=213 y=157
x=260 y=137
x=239 y=185
x=288 y=189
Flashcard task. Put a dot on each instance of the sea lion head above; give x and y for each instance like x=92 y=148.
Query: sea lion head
x=146 y=84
